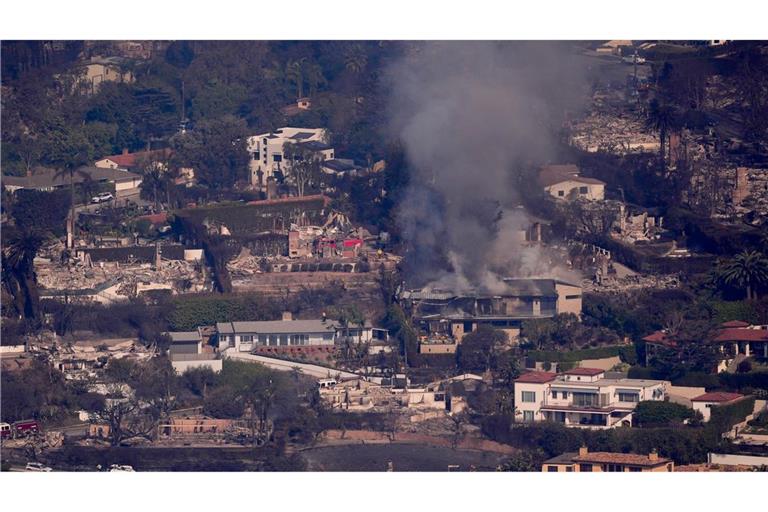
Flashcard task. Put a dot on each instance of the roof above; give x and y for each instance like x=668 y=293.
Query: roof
x=302 y=135
x=620 y=458
x=742 y=334
x=536 y=377
x=585 y=371
x=313 y=145
x=717 y=397
x=558 y=173
x=659 y=337
x=131 y=159
x=185 y=336
x=339 y=165
x=44 y=177
x=282 y=326
x=734 y=323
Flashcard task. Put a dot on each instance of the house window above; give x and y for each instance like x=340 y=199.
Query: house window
x=528 y=416
x=262 y=339
x=560 y=193
x=583 y=190
x=569 y=469
x=585 y=468
x=256 y=155
x=467 y=326
x=277 y=157
x=230 y=340
x=629 y=397
x=613 y=468
x=634 y=469
x=552 y=469
x=529 y=396
x=246 y=338
x=565 y=395
x=554 y=395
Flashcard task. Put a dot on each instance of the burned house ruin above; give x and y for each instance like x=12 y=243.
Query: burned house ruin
x=444 y=316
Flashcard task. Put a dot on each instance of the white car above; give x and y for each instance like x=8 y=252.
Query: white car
x=121 y=467
x=36 y=466
x=106 y=196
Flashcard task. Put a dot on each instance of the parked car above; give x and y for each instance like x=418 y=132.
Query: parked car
x=103 y=197
x=37 y=466
x=121 y=467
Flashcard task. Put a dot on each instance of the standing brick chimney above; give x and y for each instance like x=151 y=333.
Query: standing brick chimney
x=583 y=451
x=653 y=456
x=287 y=316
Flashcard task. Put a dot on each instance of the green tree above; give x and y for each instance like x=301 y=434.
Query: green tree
x=479 y=350
x=747 y=270
x=304 y=166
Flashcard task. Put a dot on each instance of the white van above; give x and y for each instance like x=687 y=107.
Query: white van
x=326 y=383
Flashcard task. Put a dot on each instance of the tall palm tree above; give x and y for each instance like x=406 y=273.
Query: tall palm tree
x=747 y=270
x=294 y=72
x=315 y=77
x=662 y=118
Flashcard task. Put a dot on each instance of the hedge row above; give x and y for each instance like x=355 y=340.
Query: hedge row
x=554 y=356
x=724 y=417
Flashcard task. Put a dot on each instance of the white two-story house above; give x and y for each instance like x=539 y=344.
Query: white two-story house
x=267 y=150
x=583 y=397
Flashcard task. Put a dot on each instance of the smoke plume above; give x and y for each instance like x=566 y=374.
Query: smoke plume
x=472 y=116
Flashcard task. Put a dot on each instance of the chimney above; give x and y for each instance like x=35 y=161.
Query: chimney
x=125 y=151
x=653 y=456
x=287 y=316
x=583 y=451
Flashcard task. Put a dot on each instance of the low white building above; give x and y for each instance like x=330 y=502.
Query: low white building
x=267 y=150
x=186 y=352
x=565 y=182
x=246 y=336
x=583 y=397
x=704 y=403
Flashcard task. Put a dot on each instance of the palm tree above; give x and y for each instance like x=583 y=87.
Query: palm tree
x=747 y=270
x=315 y=77
x=18 y=255
x=662 y=117
x=355 y=59
x=294 y=72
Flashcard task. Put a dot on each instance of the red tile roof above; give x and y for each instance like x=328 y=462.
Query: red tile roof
x=631 y=459
x=129 y=159
x=717 y=396
x=660 y=338
x=585 y=371
x=734 y=323
x=741 y=334
x=536 y=377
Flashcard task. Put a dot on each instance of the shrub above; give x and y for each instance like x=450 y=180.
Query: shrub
x=655 y=413
x=724 y=417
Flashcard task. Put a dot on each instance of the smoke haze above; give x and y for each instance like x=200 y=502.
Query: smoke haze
x=471 y=117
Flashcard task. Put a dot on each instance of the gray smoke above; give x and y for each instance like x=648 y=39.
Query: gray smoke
x=471 y=117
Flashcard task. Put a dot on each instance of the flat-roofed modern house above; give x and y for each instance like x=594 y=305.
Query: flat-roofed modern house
x=448 y=313
x=583 y=397
x=267 y=150
x=585 y=461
